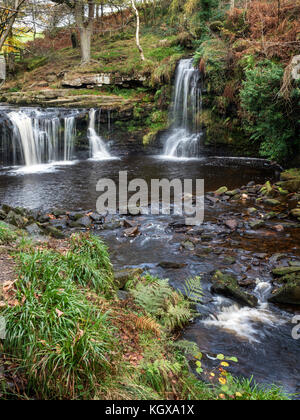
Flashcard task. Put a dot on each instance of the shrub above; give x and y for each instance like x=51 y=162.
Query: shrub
x=269 y=118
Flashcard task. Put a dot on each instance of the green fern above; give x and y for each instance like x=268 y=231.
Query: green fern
x=193 y=289
x=157 y=374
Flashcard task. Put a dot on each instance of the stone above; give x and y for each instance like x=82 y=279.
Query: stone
x=227 y=285
x=221 y=191
x=16 y=219
x=229 y=260
x=84 y=221
x=123 y=295
x=257 y=224
x=296 y=212
x=252 y=210
x=56 y=233
x=231 y=224
x=171 y=265
x=288 y=294
x=121 y=277
x=34 y=230
x=272 y=202
x=283 y=271
x=188 y=245
x=131 y=232
x=76 y=216
x=96 y=218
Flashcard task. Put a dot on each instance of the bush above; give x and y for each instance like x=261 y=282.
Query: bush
x=269 y=118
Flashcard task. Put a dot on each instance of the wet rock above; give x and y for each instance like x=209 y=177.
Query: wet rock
x=229 y=260
x=247 y=282
x=293 y=185
x=34 y=230
x=231 y=224
x=44 y=218
x=111 y=225
x=16 y=219
x=252 y=210
x=60 y=224
x=121 y=277
x=227 y=285
x=131 y=232
x=76 y=216
x=56 y=233
x=188 y=245
x=127 y=224
x=171 y=265
x=221 y=191
x=272 y=202
x=6 y=208
x=278 y=228
x=283 y=271
x=58 y=213
x=84 y=221
x=288 y=294
x=2 y=215
x=257 y=224
x=233 y=193
x=296 y=212
x=260 y=255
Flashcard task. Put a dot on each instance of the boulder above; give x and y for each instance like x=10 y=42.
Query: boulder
x=221 y=191
x=227 y=285
x=121 y=277
x=16 y=219
x=288 y=294
x=34 y=230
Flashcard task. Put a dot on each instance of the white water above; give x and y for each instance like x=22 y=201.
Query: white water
x=98 y=150
x=184 y=139
x=38 y=138
x=246 y=323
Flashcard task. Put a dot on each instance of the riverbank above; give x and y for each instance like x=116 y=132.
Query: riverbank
x=95 y=341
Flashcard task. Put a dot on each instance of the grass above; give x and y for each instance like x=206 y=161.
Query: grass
x=71 y=338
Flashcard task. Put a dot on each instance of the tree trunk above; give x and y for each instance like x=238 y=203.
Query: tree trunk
x=86 y=27
x=10 y=23
x=138 y=30
x=85 y=43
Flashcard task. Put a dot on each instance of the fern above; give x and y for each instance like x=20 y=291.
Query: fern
x=157 y=374
x=159 y=300
x=193 y=289
x=145 y=323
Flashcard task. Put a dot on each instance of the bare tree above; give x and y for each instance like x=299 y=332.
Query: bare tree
x=138 y=30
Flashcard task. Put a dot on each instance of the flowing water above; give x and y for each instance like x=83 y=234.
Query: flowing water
x=40 y=137
x=260 y=337
x=98 y=149
x=184 y=139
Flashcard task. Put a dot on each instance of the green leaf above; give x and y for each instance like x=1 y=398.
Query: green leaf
x=220 y=356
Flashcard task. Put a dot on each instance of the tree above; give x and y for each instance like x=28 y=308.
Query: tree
x=8 y=14
x=84 y=14
x=138 y=30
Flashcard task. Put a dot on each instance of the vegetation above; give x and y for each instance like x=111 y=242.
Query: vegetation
x=69 y=338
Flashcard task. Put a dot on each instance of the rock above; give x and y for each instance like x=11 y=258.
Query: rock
x=227 y=285
x=283 y=271
x=96 y=218
x=76 y=216
x=60 y=224
x=44 y=218
x=232 y=224
x=188 y=245
x=272 y=202
x=295 y=212
x=229 y=260
x=257 y=224
x=123 y=295
x=292 y=186
x=171 y=265
x=289 y=294
x=233 y=193
x=221 y=191
x=131 y=232
x=247 y=282
x=121 y=277
x=2 y=215
x=84 y=221
x=56 y=233
x=278 y=228
x=252 y=210
x=58 y=213
x=6 y=208
x=16 y=219
x=260 y=255
x=34 y=230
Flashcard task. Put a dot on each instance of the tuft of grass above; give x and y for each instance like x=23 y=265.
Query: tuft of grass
x=7 y=235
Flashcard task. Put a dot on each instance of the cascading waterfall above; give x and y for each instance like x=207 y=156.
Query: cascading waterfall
x=183 y=140
x=98 y=150
x=40 y=139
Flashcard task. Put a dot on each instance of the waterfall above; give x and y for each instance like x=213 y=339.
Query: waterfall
x=98 y=150
x=183 y=140
x=41 y=138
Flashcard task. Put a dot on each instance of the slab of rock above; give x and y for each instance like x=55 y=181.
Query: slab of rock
x=283 y=271
x=289 y=294
x=227 y=285
x=231 y=224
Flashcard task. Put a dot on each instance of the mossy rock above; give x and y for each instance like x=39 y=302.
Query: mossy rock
x=289 y=294
x=290 y=174
x=293 y=185
x=121 y=277
x=283 y=271
x=227 y=285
